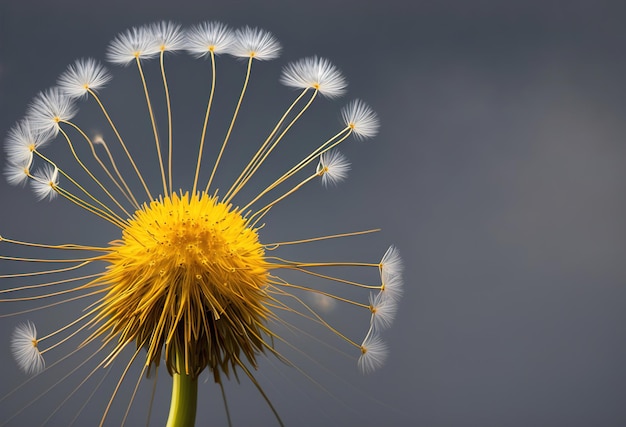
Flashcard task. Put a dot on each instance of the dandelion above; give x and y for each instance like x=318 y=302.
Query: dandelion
x=187 y=281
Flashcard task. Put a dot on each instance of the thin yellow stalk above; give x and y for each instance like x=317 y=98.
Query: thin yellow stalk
x=54 y=304
x=87 y=378
x=326 y=146
x=319 y=318
x=152 y=394
x=65 y=247
x=232 y=124
x=40 y=273
x=259 y=388
x=169 y=121
x=204 y=126
x=277 y=304
x=326 y=294
x=56 y=188
x=278 y=199
x=339 y=280
x=86 y=169
x=119 y=138
x=24 y=259
x=126 y=191
x=235 y=185
x=270 y=149
x=118 y=222
x=43 y=285
x=295 y=265
x=38 y=297
x=154 y=127
x=132 y=397
x=66 y=376
x=119 y=383
x=69 y=325
x=109 y=174
x=273 y=246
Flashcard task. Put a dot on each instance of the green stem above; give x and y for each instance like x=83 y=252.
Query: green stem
x=184 y=397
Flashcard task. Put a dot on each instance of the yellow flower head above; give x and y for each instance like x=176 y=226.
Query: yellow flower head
x=189 y=277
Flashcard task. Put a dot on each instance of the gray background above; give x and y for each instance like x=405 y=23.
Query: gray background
x=499 y=173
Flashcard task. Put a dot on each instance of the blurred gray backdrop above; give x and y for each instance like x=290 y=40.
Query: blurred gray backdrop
x=498 y=172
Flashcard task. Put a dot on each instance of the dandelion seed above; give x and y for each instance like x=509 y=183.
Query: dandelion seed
x=17 y=174
x=209 y=37
x=391 y=263
x=361 y=119
x=48 y=109
x=22 y=140
x=374 y=352
x=44 y=182
x=24 y=349
x=255 y=43
x=393 y=287
x=168 y=36
x=131 y=45
x=187 y=280
x=81 y=77
x=383 y=310
x=315 y=73
x=333 y=167
x=391 y=268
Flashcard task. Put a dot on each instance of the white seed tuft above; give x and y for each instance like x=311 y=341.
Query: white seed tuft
x=363 y=121
x=333 y=167
x=134 y=43
x=167 y=36
x=207 y=37
x=81 y=76
x=22 y=140
x=391 y=263
x=16 y=173
x=44 y=182
x=315 y=73
x=48 y=109
x=383 y=310
x=391 y=268
x=24 y=349
x=255 y=43
x=374 y=352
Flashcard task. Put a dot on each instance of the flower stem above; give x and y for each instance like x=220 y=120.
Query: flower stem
x=184 y=397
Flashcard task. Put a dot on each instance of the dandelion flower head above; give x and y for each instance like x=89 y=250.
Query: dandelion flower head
x=187 y=282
